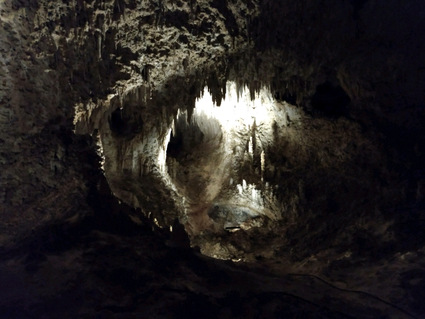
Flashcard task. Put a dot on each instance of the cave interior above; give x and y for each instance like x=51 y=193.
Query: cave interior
x=212 y=159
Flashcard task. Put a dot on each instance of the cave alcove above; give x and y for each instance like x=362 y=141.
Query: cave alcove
x=218 y=159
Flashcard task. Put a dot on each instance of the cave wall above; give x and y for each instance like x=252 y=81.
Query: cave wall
x=88 y=57
x=70 y=59
x=350 y=173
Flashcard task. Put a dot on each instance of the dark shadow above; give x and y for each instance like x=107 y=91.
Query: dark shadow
x=124 y=125
x=330 y=101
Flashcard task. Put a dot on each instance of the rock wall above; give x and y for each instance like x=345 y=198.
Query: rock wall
x=70 y=59
x=349 y=170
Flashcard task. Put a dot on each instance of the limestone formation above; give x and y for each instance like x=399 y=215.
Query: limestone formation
x=212 y=158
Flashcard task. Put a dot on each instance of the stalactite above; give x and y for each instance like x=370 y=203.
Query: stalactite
x=99 y=43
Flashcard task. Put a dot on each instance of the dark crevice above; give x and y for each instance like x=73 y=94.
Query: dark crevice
x=125 y=125
x=229 y=18
x=330 y=100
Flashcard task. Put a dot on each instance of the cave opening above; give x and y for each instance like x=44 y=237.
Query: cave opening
x=217 y=161
x=330 y=100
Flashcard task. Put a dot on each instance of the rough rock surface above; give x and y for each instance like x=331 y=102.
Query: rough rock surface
x=343 y=232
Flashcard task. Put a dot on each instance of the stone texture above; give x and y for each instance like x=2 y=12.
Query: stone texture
x=346 y=237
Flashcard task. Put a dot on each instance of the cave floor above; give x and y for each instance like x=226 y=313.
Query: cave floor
x=110 y=267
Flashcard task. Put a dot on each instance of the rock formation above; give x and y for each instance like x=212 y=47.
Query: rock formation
x=212 y=158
